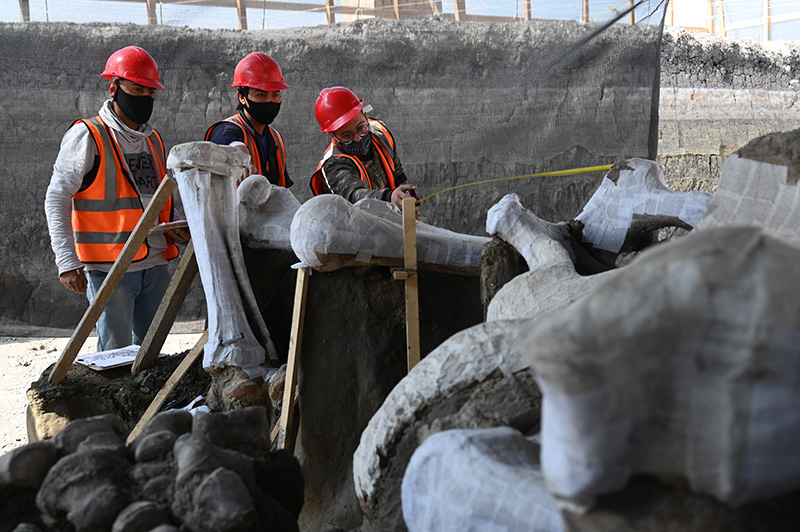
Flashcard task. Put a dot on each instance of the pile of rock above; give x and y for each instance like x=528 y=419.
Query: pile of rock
x=212 y=472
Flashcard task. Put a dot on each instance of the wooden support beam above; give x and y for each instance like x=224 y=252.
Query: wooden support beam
x=25 y=10
x=527 y=10
x=186 y=364
x=723 y=23
x=710 y=17
x=766 y=15
x=241 y=9
x=412 y=286
x=112 y=280
x=152 y=16
x=459 y=10
x=285 y=435
x=585 y=11
x=167 y=311
x=632 y=14
x=330 y=14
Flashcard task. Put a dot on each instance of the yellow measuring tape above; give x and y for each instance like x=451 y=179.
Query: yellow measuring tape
x=585 y=170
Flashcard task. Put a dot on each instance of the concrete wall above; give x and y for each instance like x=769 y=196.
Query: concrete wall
x=457 y=97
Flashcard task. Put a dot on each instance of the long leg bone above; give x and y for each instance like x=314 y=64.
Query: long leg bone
x=328 y=233
x=206 y=174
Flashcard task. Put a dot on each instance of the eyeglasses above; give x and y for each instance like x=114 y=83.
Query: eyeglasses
x=361 y=130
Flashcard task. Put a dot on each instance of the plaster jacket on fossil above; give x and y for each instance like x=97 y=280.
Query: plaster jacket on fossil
x=759 y=186
x=630 y=204
x=265 y=213
x=328 y=232
x=633 y=200
x=683 y=365
x=206 y=174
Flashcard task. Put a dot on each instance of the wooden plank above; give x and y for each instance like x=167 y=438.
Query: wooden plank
x=459 y=10
x=152 y=18
x=187 y=362
x=330 y=15
x=112 y=280
x=167 y=311
x=25 y=10
x=241 y=9
x=412 y=294
x=285 y=438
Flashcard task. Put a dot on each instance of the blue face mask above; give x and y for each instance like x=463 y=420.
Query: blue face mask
x=359 y=147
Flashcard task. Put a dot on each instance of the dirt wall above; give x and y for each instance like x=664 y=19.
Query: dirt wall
x=455 y=96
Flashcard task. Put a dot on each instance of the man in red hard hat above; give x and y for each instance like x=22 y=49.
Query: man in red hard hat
x=361 y=161
x=106 y=172
x=260 y=81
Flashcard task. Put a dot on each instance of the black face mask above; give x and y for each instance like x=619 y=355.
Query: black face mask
x=359 y=147
x=138 y=109
x=262 y=112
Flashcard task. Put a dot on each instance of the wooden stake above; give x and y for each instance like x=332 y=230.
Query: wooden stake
x=112 y=280
x=167 y=311
x=412 y=295
x=285 y=438
x=187 y=362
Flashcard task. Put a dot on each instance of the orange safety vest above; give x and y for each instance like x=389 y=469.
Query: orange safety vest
x=105 y=212
x=384 y=147
x=252 y=145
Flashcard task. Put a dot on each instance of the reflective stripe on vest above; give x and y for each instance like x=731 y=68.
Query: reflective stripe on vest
x=318 y=185
x=252 y=145
x=107 y=211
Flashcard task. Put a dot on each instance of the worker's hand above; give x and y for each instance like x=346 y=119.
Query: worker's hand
x=75 y=280
x=400 y=193
x=251 y=168
x=179 y=235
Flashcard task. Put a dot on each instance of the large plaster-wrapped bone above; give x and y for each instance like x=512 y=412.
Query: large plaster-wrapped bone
x=632 y=201
x=686 y=364
x=206 y=173
x=552 y=282
x=265 y=213
x=328 y=233
x=759 y=186
x=467 y=358
x=440 y=491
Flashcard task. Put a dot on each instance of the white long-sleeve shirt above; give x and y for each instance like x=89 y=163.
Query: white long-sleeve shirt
x=75 y=159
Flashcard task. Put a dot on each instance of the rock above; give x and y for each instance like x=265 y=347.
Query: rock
x=68 y=439
x=155 y=446
x=88 y=489
x=141 y=517
x=246 y=430
x=222 y=504
x=26 y=466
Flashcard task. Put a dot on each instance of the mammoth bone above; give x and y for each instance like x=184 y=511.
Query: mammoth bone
x=630 y=204
x=206 y=173
x=328 y=233
x=682 y=365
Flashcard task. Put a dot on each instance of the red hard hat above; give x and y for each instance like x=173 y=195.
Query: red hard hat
x=259 y=71
x=135 y=64
x=335 y=107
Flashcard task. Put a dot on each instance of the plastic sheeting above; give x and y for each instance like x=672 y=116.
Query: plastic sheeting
x=635 y=187
x=478 y=481
x=330 y=225
x=206 y=175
